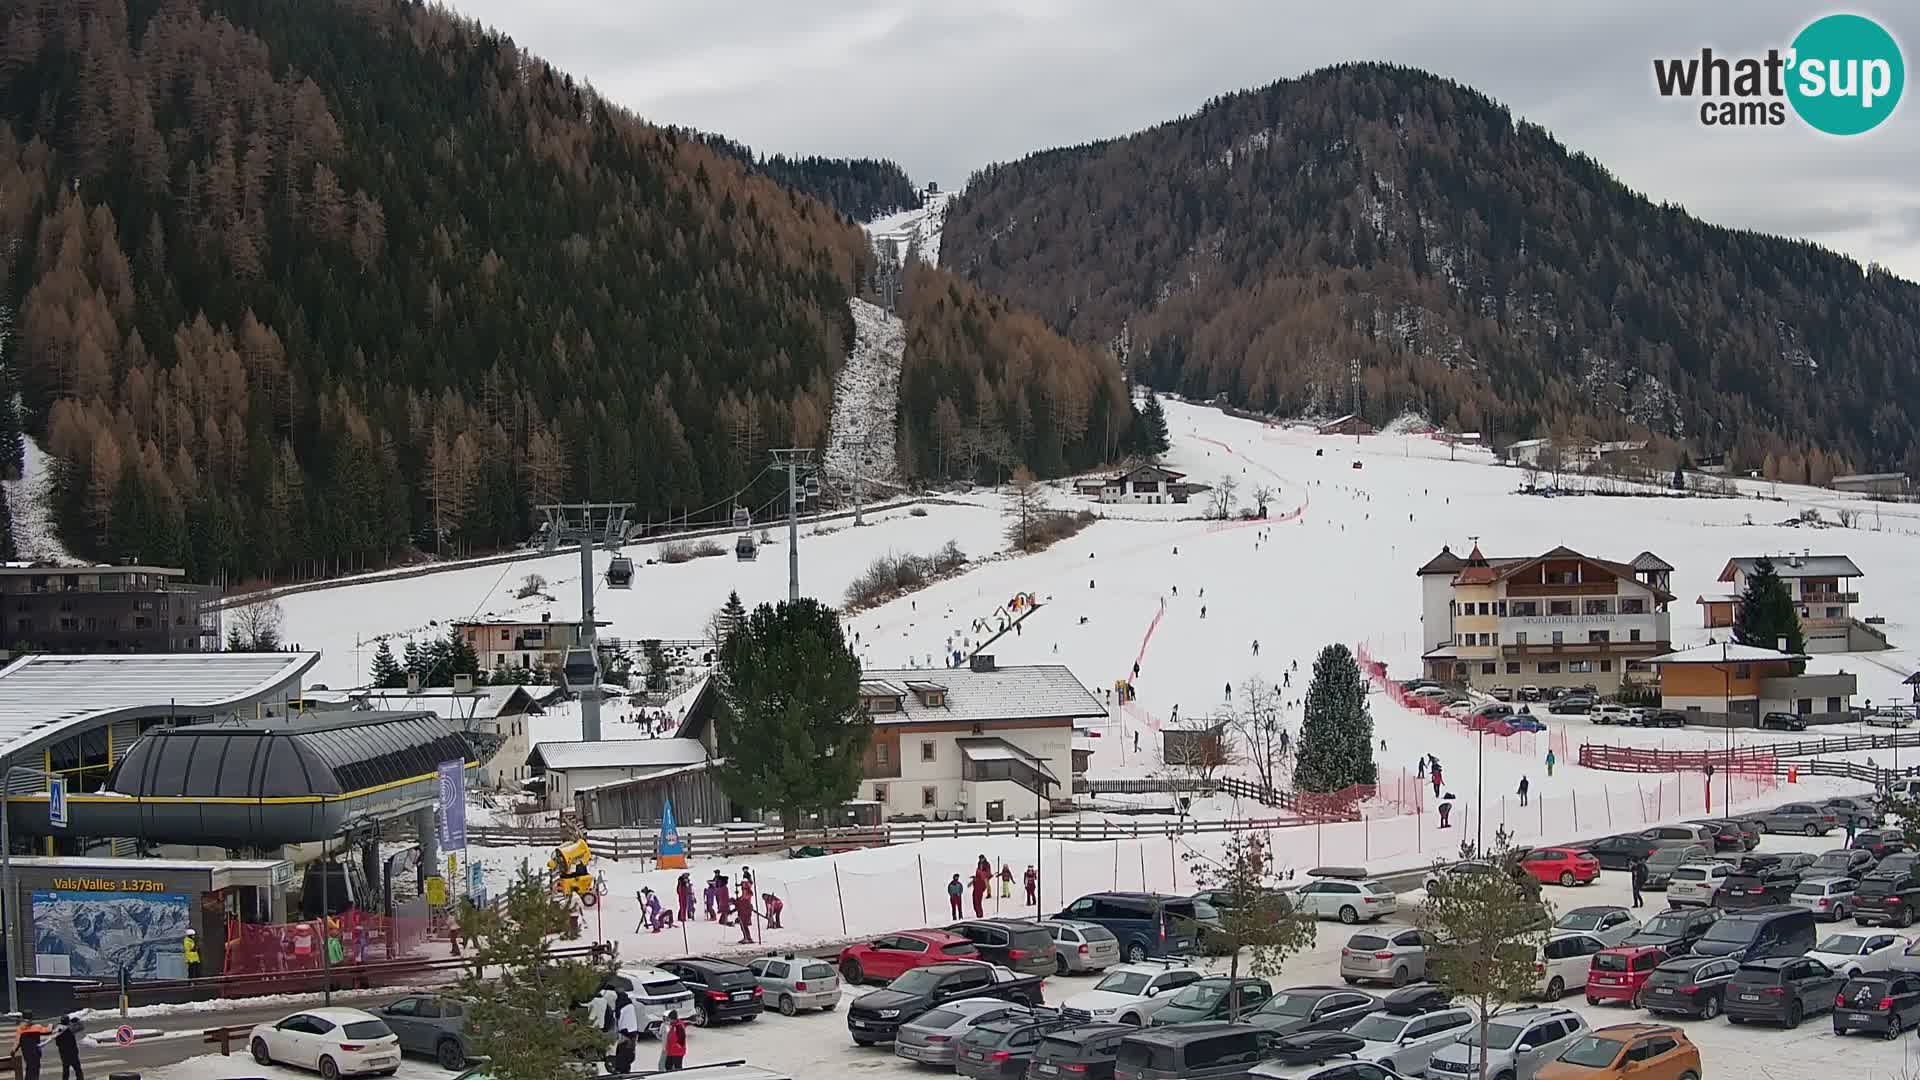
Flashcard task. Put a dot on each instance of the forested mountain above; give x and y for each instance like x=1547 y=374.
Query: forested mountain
x=297 y=283
x=1468 y=264
x=860 y=188
x=984 y=387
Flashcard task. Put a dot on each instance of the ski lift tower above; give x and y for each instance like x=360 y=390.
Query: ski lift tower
x=802 y=484
x=590 y=525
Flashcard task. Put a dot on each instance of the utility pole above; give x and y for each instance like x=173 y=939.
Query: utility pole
x=589 y=696
x=797 y=462
x=861 y=449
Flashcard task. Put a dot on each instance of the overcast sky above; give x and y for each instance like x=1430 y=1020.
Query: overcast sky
x=944 y=88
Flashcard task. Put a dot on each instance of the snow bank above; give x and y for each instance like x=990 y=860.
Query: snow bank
x=866 y=399
x=30 y=501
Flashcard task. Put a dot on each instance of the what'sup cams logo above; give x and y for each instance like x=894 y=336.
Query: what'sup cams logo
x=1842 y=75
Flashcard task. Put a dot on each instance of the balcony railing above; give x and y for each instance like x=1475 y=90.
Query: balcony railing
x=1829 y=597
x=1585 y=588
x=1597 y=648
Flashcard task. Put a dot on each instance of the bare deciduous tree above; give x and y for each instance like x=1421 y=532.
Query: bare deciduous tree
x=255 y=627
x=1223 y=493
x=1193 y=752
x=1262 y=495
x=1259 y=723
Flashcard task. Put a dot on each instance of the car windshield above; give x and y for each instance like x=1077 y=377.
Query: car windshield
x=1609 y=961
x=917 y=981
x=1846 y=944
x=366 y=1029
x=817 y=971
x=1810 y=888
x=940 y=1018
x=1379 y=1027
x=1366 y=943
x=1690 y=873
x=1291 y=1004
x=1499 y=1036
x=1733 y=931
x=1592 y=1052
x=1834 y=859
x=1668 y=856
x=1200 y=995
x=669 y=988
x=1669 y=923
x=1205 y=912
x=1580 y=920
x=1125 y=982
x=1097 y=933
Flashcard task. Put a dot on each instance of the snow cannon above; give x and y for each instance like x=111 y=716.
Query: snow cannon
x=569 y=865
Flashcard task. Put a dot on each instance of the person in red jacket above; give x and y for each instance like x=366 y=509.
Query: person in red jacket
x=743 y=911
x=1032 y=880
x=982 y=880
x=684 y=888
x=674 y=1053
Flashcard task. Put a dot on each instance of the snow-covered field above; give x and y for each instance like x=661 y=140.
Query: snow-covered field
x=866 y=398
x=916 y=231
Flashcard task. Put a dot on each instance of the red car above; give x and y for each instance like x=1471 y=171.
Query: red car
x=884 y=958
x=1618 y=974
x=1566 y=866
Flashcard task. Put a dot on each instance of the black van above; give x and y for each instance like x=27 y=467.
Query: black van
x=1758 y=934
x=1213 y=1050
x=1147 y=924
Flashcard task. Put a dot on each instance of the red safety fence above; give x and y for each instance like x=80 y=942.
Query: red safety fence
x=1526 y=743
x=1637 y=759
x=360 y=937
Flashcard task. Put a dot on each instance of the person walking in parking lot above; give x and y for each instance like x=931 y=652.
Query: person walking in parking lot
x=1852 y=827
x=1639 y=876
x=1523 y=791
x=673 y=1054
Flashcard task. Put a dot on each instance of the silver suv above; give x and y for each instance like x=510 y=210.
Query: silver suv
x=1518 y=1044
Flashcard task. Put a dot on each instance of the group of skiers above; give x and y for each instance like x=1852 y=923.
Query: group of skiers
x=982 y=883
x=27 y=1035
x=729 y=906
x=616 y=1014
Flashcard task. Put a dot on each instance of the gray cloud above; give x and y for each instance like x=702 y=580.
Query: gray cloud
x=946 y=87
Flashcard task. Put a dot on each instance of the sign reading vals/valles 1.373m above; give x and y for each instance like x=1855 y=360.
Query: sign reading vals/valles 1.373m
x=108 y=885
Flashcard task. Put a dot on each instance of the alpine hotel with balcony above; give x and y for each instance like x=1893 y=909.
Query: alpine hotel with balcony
x=1558 y=619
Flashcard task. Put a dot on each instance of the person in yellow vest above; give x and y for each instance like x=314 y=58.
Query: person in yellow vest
x=190 y=948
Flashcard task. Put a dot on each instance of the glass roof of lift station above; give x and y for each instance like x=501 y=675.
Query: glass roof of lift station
x=331 y=754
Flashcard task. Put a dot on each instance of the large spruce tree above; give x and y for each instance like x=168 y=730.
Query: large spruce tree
x=791 y=731
x=1336 y=734
x=1767 y=614
x=1150 y=434
x=387 y=672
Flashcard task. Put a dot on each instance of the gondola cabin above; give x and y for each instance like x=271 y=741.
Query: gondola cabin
x=580 y=671
x=744 y=548
x=620 y=572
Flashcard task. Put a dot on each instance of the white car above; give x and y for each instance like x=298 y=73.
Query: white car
x=1404 y=1043
x=1563 y=962
x=332 y=1042
x=1131 y=993
x=1348 y=900
x=654 y=993
x=1456 y=710
x=1696 y=884
x=1610 y=923
x=1439 y=877
x=1608 y=714
x=1850 y=954
x=1427 y=692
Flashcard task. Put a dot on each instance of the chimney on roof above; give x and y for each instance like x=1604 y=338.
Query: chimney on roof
x=983 y=662
x=545 y=615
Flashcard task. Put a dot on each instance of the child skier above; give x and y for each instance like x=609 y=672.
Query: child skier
x=954 y=889
x=1006 y=881
x=1032 y=881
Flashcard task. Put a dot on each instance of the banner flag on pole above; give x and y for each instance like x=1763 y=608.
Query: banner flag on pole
x=453 y=805
x=673 y=853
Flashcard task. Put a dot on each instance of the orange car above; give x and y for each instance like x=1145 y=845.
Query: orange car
x=1647 y=1051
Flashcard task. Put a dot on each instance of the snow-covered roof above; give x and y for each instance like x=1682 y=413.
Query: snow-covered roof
x=1723 y=653
x=991 y=749
x=661 y=773
x=1797 y=566
x=484 y=703
x=618 y=754
x=44 y=696
x=1717 y=598
x=1872 y=477
x=1036 y=692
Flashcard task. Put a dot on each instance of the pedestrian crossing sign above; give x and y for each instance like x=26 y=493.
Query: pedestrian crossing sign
x=57 y=802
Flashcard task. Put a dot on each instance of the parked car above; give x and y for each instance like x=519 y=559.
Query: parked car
x=1885 y=1004
x=1783 y=721
x=1826 y=898
x=1750 y=829
x=1566 y=866
x=1619 y=974
x=1642 y=1051
x=1571 y=704
x=1756 y=888
x=1131 y=993
x=886 y=958
x=1886 y=899
x=791 y=983
x=1081 y=946
x=1223 y=900
x=1562 y=964
x=1610 y=923
x=1349 y=901
x=432 y=1026
x=1000 y=1049
x=1884 y=717
x=1525 y=721
x=1799 y=817
x=1437 y=878
x=1417 y=998
x=1762 y=932
x=722 y=989
x=1146 y=924
x=1670 y=857
x=1796 y=861
x=1781 y=989
x=1501 y=693
x=1024 y=946
x=933 y=1037
x=1619 y=852
x=1212 y=1051
x=1211 y=999
x=1313 y=1008
x=1840 y=862
x=1857 y=953
x=1727 y=835
x=1085 y=1052
x=1689 y=833
x=877 y=1016
x=653 y=992
x=1377 y=956
x=1665 y=718
x=1689 y=986
x=1403 y=1043
x=1697 y=884
x=1529 y=693
x=332 y=1042
x=1518 y=1043
x=1427 y=692
x=1879 y=843
x=1676 y=930
x=1608 y=713
x=1898 y=864
x=1864 y=812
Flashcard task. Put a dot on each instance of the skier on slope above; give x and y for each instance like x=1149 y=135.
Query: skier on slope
x=1256 y=646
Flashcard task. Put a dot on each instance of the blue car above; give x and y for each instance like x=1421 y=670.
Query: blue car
x=1524 y=722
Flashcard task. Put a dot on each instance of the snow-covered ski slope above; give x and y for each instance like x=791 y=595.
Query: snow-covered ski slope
x=917 y=231
x=866 y=398
x=30 y=501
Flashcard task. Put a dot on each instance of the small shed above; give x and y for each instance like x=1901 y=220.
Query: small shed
x=1350 y=424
